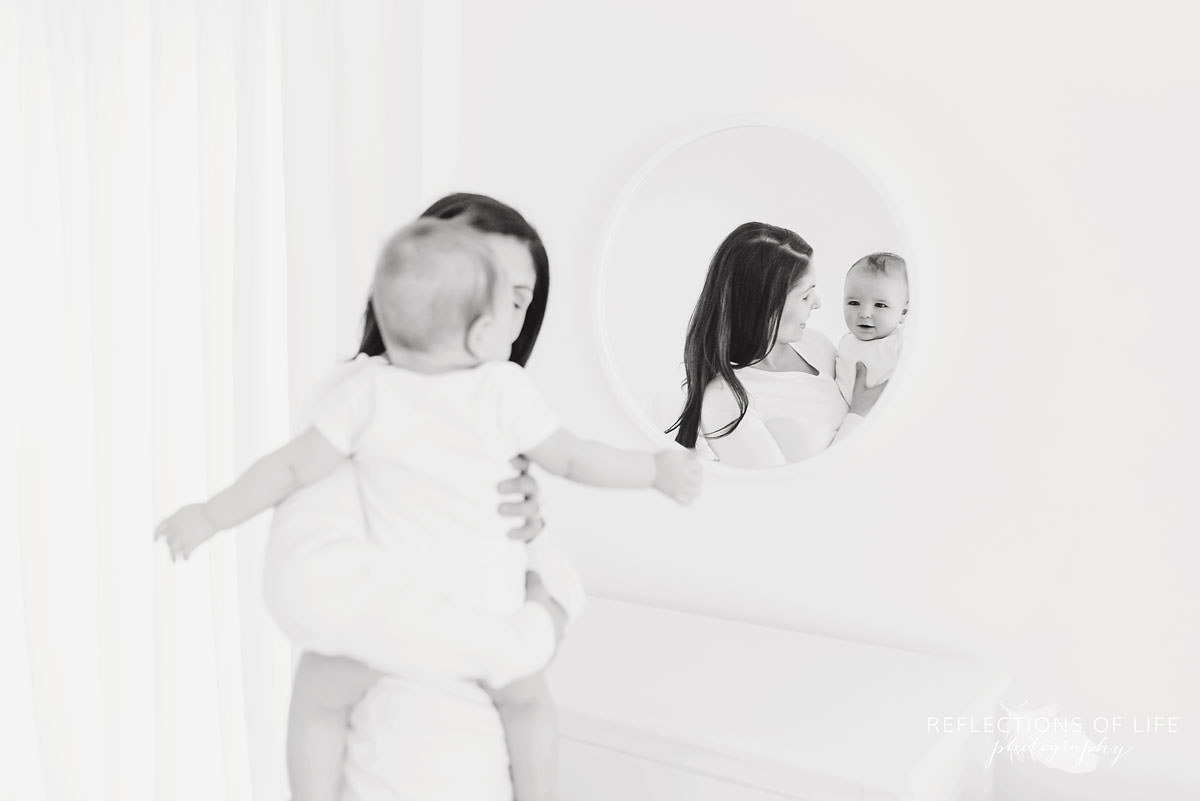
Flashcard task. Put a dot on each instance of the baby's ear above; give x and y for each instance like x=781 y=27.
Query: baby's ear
x=478 y=334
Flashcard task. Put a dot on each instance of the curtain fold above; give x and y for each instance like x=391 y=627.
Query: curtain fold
x=193 y=194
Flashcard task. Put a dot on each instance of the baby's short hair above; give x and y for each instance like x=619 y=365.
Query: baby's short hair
x=434 y=278
x=883 y=264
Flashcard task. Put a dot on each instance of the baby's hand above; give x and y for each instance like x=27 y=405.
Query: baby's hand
x=677 y=474
x=185 y=530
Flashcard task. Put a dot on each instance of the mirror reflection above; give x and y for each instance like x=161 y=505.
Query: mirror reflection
x=754 y=297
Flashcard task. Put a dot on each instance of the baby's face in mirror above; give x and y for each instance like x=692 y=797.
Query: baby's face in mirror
x=875 y=303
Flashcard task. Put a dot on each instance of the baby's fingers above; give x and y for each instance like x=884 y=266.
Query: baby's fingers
x=186 y=545
x=162 y=529
x=177 y=544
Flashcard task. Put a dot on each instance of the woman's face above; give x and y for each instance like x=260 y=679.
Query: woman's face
x=801 y=301
x=512 y=255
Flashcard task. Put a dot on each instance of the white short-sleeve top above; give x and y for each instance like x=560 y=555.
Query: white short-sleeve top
x=428 y=451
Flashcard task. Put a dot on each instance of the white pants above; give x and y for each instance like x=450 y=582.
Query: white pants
x=426 y=741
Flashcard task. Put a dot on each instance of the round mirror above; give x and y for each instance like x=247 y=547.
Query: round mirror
x=747 y=273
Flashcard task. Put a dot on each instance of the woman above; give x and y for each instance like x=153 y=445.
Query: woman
x=439 y=736
x=760 y=388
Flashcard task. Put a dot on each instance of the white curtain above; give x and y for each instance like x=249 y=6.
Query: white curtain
x=192 y=194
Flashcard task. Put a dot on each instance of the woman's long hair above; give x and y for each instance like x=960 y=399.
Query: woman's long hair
x=488 y=216
x=737 y=316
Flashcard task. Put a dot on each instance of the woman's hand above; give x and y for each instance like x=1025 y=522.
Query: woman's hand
x=862 y=398
x=528 y=508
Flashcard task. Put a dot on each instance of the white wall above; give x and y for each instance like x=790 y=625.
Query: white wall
x=1029 y=476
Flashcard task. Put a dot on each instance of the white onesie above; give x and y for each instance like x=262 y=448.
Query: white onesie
x=428 y=452
x=879 y=355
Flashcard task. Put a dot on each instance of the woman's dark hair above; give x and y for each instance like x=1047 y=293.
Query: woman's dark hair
x=737 y=316
x=489 y=216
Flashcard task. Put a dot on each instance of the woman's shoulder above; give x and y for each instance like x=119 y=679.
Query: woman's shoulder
x=717 y=389
x=719 y=401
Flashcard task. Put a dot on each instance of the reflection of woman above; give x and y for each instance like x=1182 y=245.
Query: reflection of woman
x=760 y=386
x=429 y=730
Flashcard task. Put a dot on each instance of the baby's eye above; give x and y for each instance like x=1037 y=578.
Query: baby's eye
x=881 y=305
x=852 y=303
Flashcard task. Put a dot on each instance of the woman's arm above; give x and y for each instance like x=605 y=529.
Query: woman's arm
x=751 y=444
x=862 y=400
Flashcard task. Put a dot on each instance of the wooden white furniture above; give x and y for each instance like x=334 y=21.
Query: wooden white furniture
x=659 y=705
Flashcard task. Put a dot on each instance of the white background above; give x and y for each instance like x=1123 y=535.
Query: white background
x=1023 y=497
x=1030 y=479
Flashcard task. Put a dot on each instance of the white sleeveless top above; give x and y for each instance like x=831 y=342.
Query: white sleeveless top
x=804 y=412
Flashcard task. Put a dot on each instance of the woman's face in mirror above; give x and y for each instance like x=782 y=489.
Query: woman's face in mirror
x=674 y=217
x=801 y=301
x=512 y=256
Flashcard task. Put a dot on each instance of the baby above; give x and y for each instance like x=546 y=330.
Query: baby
x=875 y=307
x=431 y=430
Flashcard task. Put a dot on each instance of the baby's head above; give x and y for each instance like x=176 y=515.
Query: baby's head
x=876 y=295
x=439 y=293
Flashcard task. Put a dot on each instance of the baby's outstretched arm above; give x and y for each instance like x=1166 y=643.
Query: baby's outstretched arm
x=675 y=473
x=268 y=481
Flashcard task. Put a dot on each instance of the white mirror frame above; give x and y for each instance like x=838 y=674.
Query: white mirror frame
x=806 y=129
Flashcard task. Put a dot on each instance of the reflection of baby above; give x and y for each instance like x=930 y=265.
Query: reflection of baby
x=875 y=307
x=431 y=429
